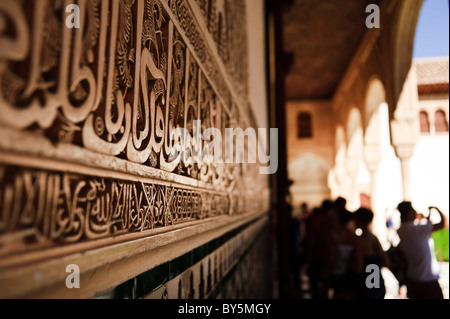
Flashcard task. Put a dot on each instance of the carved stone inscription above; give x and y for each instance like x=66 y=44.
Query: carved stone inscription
x=221 y=19
x=118 y=85
x=41 y=208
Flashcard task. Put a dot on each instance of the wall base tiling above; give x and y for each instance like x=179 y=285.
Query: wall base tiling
x=231 y=266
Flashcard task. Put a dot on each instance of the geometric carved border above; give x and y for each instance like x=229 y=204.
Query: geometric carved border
x=42 y=208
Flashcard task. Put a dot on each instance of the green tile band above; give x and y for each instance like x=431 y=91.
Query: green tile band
x=149 y=281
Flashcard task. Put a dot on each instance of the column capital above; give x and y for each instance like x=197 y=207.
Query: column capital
x=372 y=156
x=405 y=132
x=372 y=167
x=404 y=152
x=352 y=166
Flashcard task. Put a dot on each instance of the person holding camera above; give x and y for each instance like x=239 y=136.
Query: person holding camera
x=417 y=246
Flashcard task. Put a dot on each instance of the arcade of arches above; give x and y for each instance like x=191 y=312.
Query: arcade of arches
x=367 y=127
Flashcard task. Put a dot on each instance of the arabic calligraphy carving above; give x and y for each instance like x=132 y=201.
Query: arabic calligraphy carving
x=43 y=208
x=117 y=86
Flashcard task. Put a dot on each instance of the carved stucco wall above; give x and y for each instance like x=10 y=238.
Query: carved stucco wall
x=85 y=122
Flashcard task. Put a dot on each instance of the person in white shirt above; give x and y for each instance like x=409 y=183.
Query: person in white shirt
x=418 y=247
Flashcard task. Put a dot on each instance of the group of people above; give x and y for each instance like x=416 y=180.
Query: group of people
x=337 y=247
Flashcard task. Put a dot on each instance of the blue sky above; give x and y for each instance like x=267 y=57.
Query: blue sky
x=432 y=34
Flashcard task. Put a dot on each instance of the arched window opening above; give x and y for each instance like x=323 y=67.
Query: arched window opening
x=440 y=122
x=424 y=123
x=304 y=125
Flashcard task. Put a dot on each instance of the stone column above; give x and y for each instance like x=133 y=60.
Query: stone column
x=405 y=128
x=373 y=159
x=372 y=153
x=404 y=153
x=340 y=176
x=352 y=174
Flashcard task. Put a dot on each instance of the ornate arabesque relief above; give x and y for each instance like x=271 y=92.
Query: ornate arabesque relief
x=241 y=259
x=117 y=86
x=222 y=20
x=42 y=208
